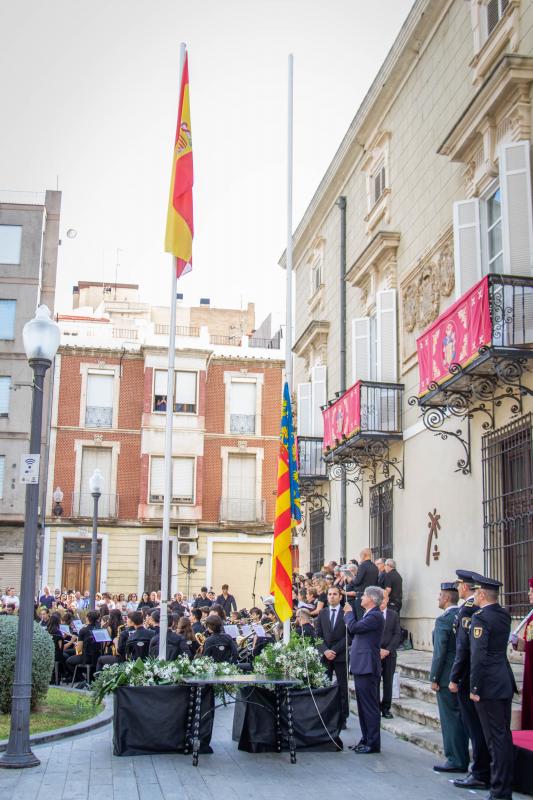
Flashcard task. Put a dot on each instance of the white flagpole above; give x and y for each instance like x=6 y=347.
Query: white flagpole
x=165 y=588
x=288 y=321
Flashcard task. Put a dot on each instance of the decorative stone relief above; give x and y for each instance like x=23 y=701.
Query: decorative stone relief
x=101 y=364
x=98 y=438
x=432 y=279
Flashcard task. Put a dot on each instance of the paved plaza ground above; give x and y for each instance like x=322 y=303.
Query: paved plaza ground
x=84 y=767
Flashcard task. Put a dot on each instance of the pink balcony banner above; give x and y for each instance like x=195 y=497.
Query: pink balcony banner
x=455 y=337
x=342 y=419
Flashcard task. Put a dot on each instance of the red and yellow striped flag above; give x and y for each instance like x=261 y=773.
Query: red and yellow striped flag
x=287 y=511
x=179 y=233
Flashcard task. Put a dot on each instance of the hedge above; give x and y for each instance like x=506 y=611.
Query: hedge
x=42 y=662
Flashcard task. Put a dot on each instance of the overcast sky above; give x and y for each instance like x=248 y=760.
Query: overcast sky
x=89 y=100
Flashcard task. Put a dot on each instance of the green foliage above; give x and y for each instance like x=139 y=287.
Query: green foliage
x=299 y=659
x=154 y=672
x=42 y=662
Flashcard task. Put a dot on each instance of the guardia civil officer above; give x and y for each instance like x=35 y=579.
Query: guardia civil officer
x=479 y=775
x=454 y=735
x=492 y=683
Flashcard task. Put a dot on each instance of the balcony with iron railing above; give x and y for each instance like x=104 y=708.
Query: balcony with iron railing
x=181 y=330
x=482 y=340
x=83 y=504
x=369 y=411
x=240 y=509
x=311 y=464
x=98 y=417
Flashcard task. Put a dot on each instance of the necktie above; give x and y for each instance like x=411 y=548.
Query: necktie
x=332 y=617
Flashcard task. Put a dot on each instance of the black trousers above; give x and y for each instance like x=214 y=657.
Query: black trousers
x=388 y=666
x=480 y=752
x=338 y=668
x=367 y=693
x=495 y=718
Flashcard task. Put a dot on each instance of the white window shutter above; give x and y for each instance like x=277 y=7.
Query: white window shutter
x=100 y=390
x=242 y=397
x=304 y=410
x=186 y=388
x=361 y=349
x=160 y=383
x=5 y=385
x=386 y=336
x=318 y=398
x=2 y=471
x=517 y=215
x=157 y=476
x=183 y=478
x=467 y=245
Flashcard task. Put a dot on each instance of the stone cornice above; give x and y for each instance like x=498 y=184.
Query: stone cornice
x=380 y=250
x=511 y=73
x=317 y=329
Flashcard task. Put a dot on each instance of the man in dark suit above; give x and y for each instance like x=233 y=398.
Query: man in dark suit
x=492 y=683
x=365 y=665
x=392 y=582
x=392 y=636
x=330 y=627
x=367 y=575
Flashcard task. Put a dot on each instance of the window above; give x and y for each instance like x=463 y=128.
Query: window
x=96 y=458
x=242 y=406
x=310 y=399
x=99 y=405
x=494 y=11
x=184 y=392
x=507 y=461
x=240 y=503
x=5 y=386
x=495 y=233
x=493 y=207
x=316 y=540
x=374 y=342
x=381 y=519
x=316 y=278
x=7 y=319
x=10 y=242
x=378 y=183
x=182 y=480
x=2 y=470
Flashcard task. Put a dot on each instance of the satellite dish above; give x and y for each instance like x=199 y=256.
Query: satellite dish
x=71 y=233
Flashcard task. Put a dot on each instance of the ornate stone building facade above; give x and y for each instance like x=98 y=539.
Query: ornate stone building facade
x=434 y=179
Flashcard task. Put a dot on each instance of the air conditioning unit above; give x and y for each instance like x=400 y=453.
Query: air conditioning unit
x=187 y=548
x=187 y=532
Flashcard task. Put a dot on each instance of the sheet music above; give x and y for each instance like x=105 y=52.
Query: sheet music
x=231 y=630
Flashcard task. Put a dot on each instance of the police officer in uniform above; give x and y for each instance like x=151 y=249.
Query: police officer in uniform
x=492 y=683
x=454 y=736
x=479 y=776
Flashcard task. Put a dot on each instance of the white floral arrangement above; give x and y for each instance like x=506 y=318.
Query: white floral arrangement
x=154 y=672
x=299 y=660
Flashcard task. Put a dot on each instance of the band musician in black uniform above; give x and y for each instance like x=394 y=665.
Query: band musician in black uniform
x=331 y=628
x=492 y=683
x=479 y=775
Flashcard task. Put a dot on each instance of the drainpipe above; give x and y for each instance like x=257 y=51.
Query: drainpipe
x=341 y=203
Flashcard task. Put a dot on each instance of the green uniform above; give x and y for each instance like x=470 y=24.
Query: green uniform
x=454 y=735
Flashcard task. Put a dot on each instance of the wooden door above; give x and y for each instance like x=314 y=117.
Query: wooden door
x=152 y=567
x=77 y=565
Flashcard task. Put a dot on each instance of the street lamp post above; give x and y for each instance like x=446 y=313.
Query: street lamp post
x=96 y=484
x=41 y=340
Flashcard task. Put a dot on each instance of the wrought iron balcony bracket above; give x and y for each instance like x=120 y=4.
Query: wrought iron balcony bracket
x=434 y=417
x=314 y=501
x=370 y=460
x=348 y=468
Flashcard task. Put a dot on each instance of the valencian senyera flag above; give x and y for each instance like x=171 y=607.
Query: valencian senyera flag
x=179 y=233
x=288 y=512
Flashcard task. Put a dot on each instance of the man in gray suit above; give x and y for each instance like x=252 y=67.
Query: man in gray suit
x=454 y=735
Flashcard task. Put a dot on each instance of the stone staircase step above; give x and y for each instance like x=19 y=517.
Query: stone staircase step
x=419 y=711
x=412 y=687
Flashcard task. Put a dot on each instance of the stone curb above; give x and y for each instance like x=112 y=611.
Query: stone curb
x=77 y=729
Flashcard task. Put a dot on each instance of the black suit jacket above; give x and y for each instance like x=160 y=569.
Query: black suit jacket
x=367 y=575
x=392 y=633
x=332 y=639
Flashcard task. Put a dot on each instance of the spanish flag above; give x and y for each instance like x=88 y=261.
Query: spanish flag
x=179 y=233
x=288 y=512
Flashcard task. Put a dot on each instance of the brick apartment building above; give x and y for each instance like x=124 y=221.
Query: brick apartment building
x=109 y=412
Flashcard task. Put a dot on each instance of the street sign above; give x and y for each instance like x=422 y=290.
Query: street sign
x=29 y=468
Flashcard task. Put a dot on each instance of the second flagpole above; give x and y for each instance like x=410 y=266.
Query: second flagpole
x=165 y=543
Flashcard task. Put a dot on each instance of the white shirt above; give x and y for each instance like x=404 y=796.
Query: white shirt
x=7 y=599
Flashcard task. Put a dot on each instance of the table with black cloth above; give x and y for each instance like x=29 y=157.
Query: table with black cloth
x=282 y=696
x=157 y=719
x=261 y=720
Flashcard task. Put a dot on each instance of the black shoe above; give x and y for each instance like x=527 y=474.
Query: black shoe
x=364 y=749
x=470 y=783
x=356 y=745
x=447 y=767
x=387 y=715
